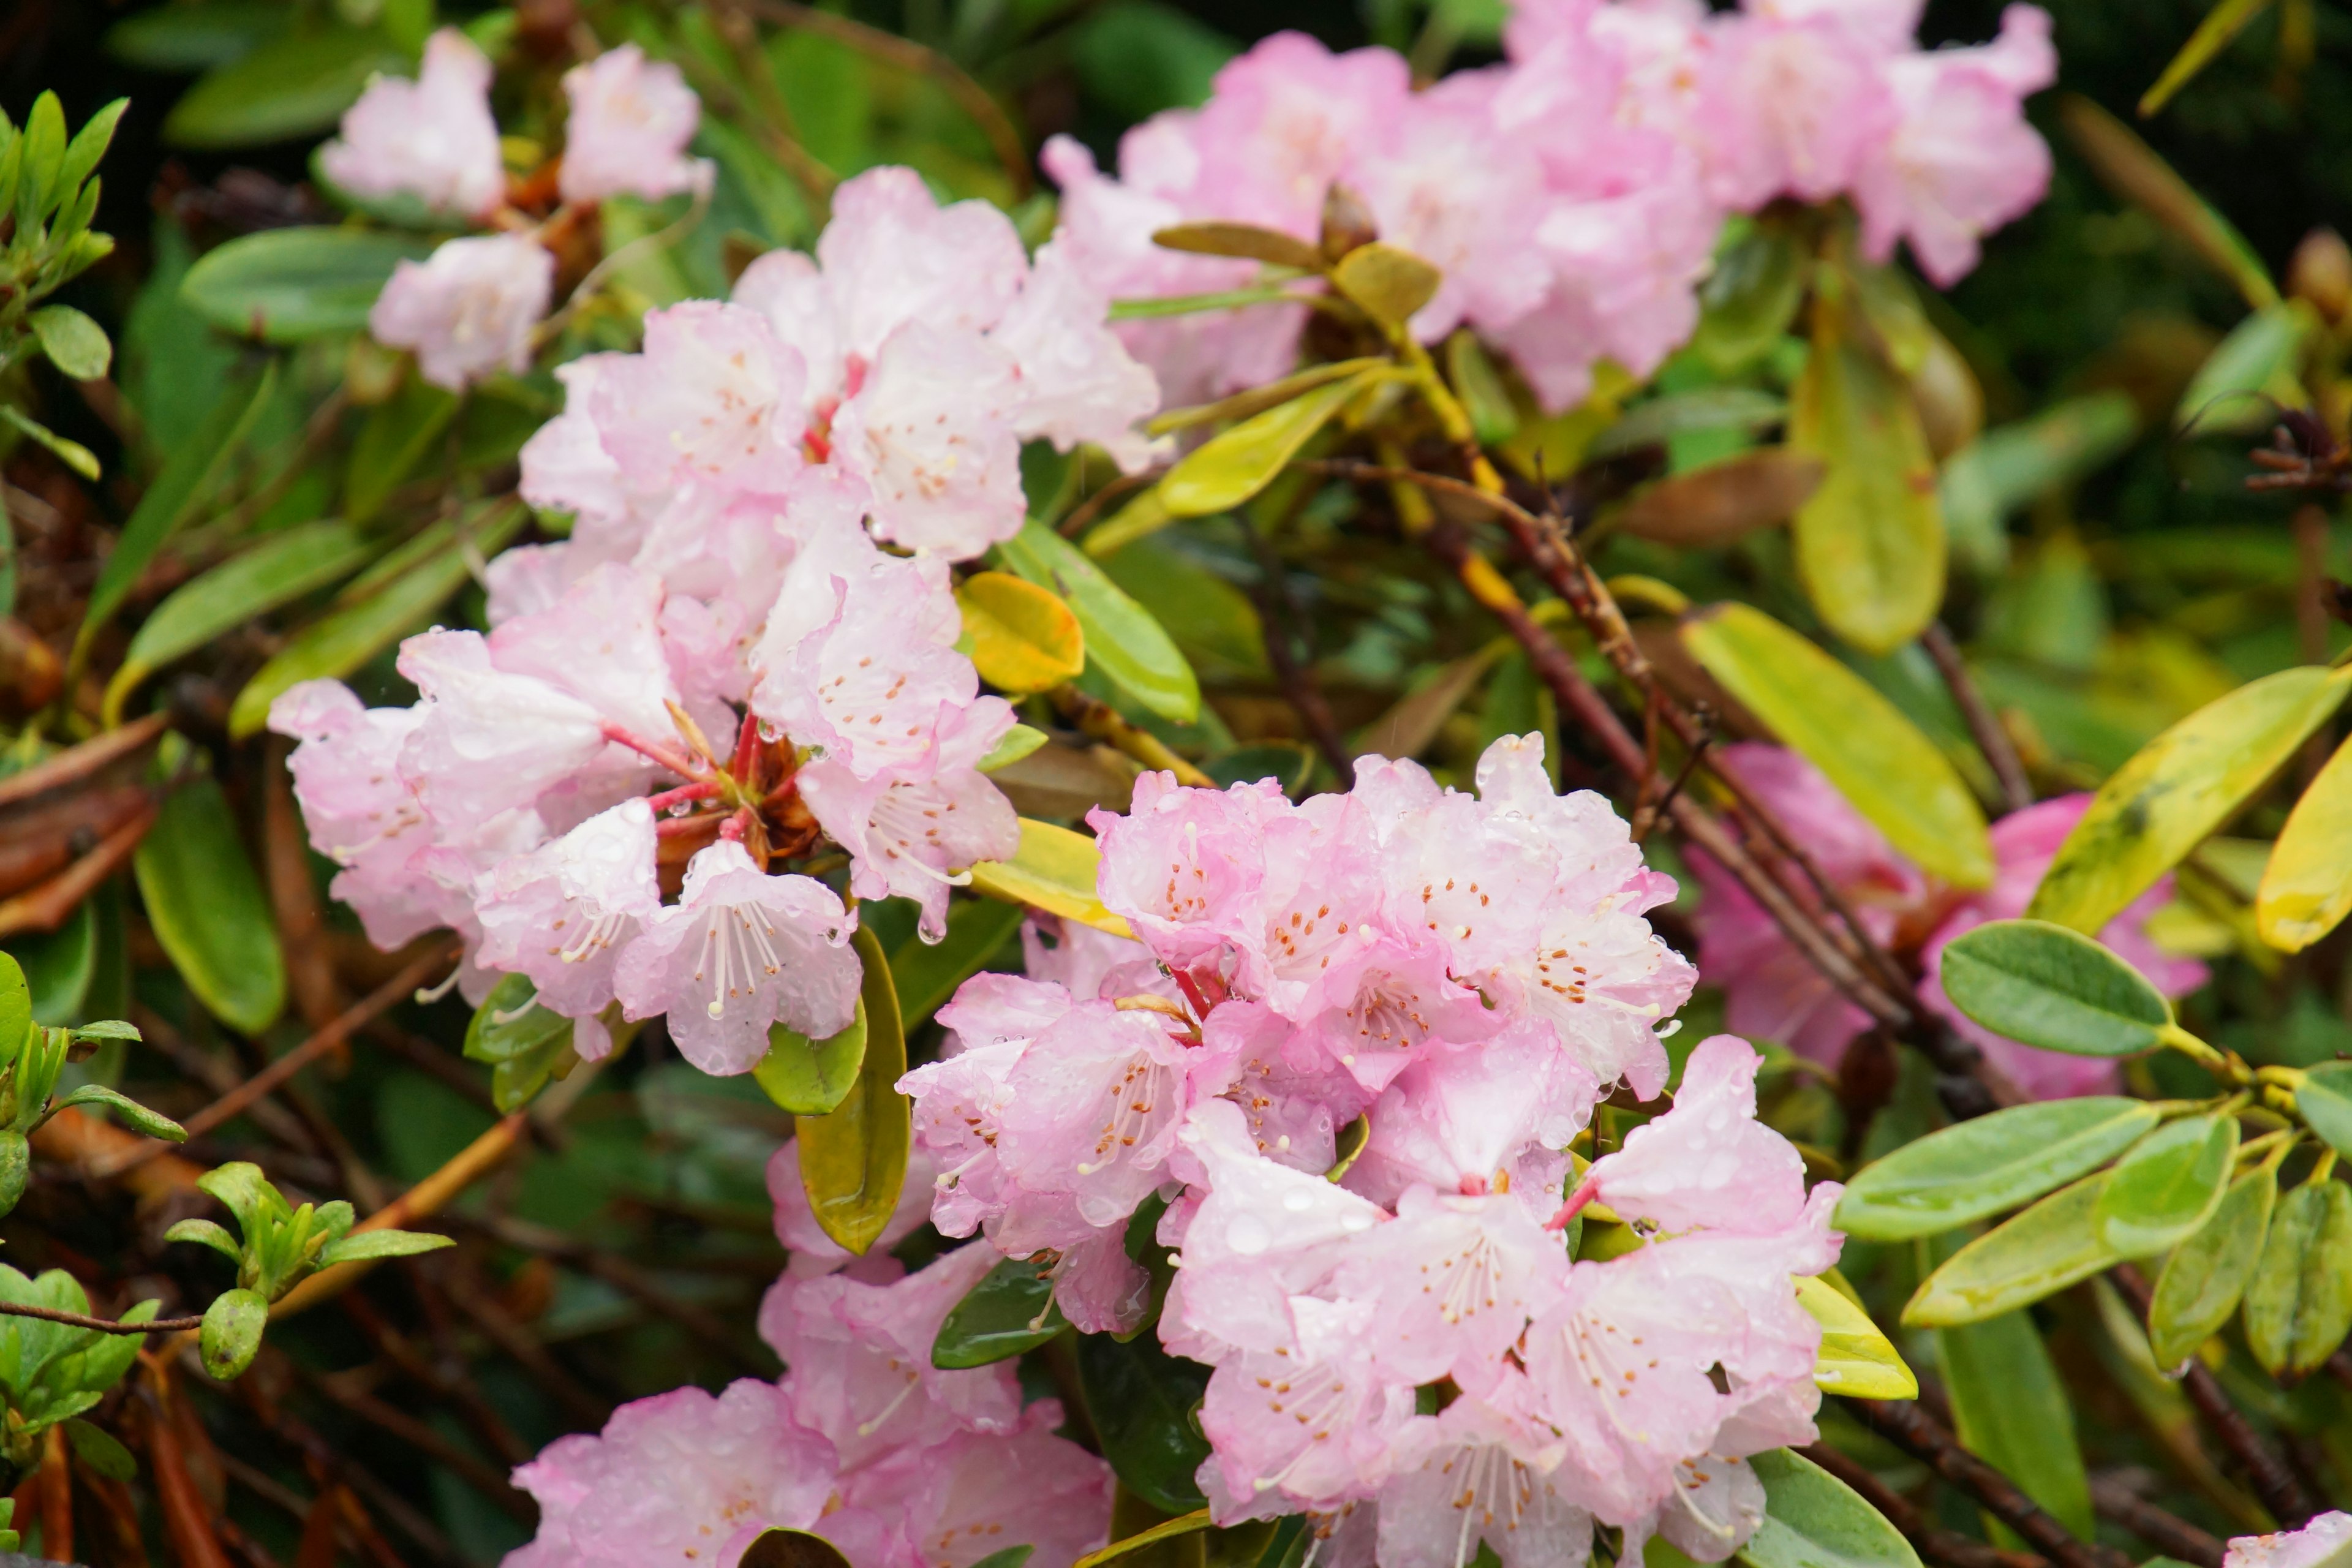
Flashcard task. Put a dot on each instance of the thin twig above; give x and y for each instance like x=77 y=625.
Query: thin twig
x=1984 y=724
x=1945 y=1548
x=2167 y=1533
x=471 y=1469
x=1278 y=614
x=102 y=1325
x=1918 y=1434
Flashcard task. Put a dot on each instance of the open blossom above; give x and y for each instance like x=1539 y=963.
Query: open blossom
x=1772 y=992
x=559 y=914
x=432 y=138
x=2320 y=1543
x=627 y=130
x=468 y=310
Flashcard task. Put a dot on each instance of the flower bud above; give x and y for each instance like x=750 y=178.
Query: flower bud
x=2321 y=272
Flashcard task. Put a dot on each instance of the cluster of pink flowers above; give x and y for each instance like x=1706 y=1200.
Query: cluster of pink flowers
x=894 y=1461
x=470 y=308
x=1773 y=992
x=1469 y=975
x=1572 y=196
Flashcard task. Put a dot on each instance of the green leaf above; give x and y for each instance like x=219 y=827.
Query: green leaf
x=1142 y=1400
x=2168 y=1185
x=1869 y=543
x=2038 y=1253
x=2299 y=1303
x=523 y=1041
x=2238 y=389
x=1054 y=870
x=90 y=145
x=1812 y=1519
x=1386 y=282
x=1707 y=408
x=1023 y=638
x=231 y=1335
x=2054 y=988
x=1234 y=465
x=147 y=1123
x=2306 y=886
x=1855 y=1358
x=74 y=344
x=2177 y=789
x=2323 y=1099
x=208 y=910
x=1245 y=241
x=1009 y=1557
x=96 y=1448
x=1980 y=1167
x=2131 y=169
x=853 y=1158
x=2224 y=22
x=2207 y=1274
x=173 y=38
x=1145 y=1540
x=2011 y=1410
x=287 y=285
x=812 y=1078
x=207 y=1233
x=2009 y=466
x=1493 y=419
x=1122 y=639
x=365 y=1245
x=1215 y=626
x=73 y=454
x=783 y=1548
x=188 y=479
x=45 y=157
x=1011 y=1310
x=1240 y=405
x=928 y=974
x=16 y=1008
x=1288 y=764
x=277 y=569
x=1895 y=776
x=1018 y=742
x=294 y=85
x=1749 y=303
x=105 y=1029
x=394 y=438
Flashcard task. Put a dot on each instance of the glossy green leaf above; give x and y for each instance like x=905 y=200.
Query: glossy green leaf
x=928 y=974
x=1011 y=1310
x=141 y=1119
x=2054 y=988
x=2038 y=1253
x=44 y=140
x=1240 y=405
x=286 y=285
x=1855 y=1358
x=2239 y=388
x=783 y=1548
x=73 y=454
x=2207 y=1274
x=294 y=85
x=2177 y=789
x=206 y=905
x=1234 y=465
x=853 y=1158
x=812 y=1078
x=2324 y=1099
x=74 y=344
x=367 y=1246
x=1485 y=398
x=277 y=571
x=2307 y=884
x=1976 y=1168
x=97 y=1448
x=1122 y=638
x=1812 y=1519
x=1895 y=776
x=2010 y=1409
x=89 y=146
x=1288 y=764
x=1215 y=626
x=15 y=1007
x=1386 y=282
x=2168 y=1185
x=2011 y=464
x=1023 y=638
x=394 y=437
x=1146 y=1539
x=1017 y=743
x=231 y=1336
x=1660 y=419
x=1142 y=1399
x=523 y=1041
x=1749 y=302
x=2224 y=22
x=1055 y=870
x=2298 y=1305
x=1869 y=543
x=60 y=966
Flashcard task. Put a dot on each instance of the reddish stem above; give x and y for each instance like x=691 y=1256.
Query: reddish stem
x=682 y=767
x=1574 y=1205
x=700 y=790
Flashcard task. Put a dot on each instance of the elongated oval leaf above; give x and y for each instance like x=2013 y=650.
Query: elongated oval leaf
x=284 y=285
x=2011 y=1408
x=2179 y=788
x=1023 y=637
x=1244 y=240
x=394 y=438
x=853 y=1158
x=2207 y=1274
x=1389 y=283
x=2222 y=24
x=294 y=85
x=2131 y=168
x=2299 y=1302
x=1232 y=467
x=812 y=1078
x=1855 y=1358
x=1240 y=405
x=1981 y=1167
x=1018 y=742
x=2250 y=372
x=1748 y=301
x=73 y=342
x=208 y=910
x=1869 y=543
x=2039 y=1253
x=15 y=1007
x=2325 y=1100
x=1720 y=502
x=2169 y=1184
x=1660 y=420
x=2307 y=886
x=1141 y=1399
x=231 y=1336
x=1812 y=1519
x=1146 y=1541
x=1879 y=760
x=1055 y=870
x=2054 y=988
x=1122 y=638
x=1011 y=1310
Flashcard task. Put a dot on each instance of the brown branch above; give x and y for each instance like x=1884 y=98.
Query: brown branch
x=1984 y=724
x=1945 y=1548
x=2265 y=1471
x=484 y=1478
x=1109 y=725
x=2169 y=1534
x=1918 y=1434
x=45 y=907
x=81 y=762
x=100 y=1325
x=1277 y=613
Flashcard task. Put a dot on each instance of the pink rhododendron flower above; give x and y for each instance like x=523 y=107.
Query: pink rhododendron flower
x=432 y=138
x=814 y=1253
x=360 y=811
x=561 y=913
x=630 y=121
x=468 y=310
x=1475 y=1476
x=714 y=398
x=2320 y=1543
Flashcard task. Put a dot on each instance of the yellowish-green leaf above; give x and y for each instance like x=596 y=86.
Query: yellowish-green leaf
x=1879 y=760
x=2206 y=1275
x=2177 y=789
x=2307 y=887
x=812 y=1078
x=2239 y=388
x=1023 y=637
x=2298 y=1305
x=1493 y=417
x=853 y=1158
x=1184 y=1524
x=1018 y=742
x=1232 y=467
x=1244 y=404
x=2222 y=24
x=1390 y=283
x=1855 y=1358
x=1869 y=543
x=2130 y=167
x=1123 y=640
x=1244 y=240
x=2041 y=1252
x=1146 y=515
x=1055 y=870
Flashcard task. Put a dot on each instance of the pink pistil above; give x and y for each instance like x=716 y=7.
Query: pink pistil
x=700 y=790
x=1574 y=1205
x=682 y=767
